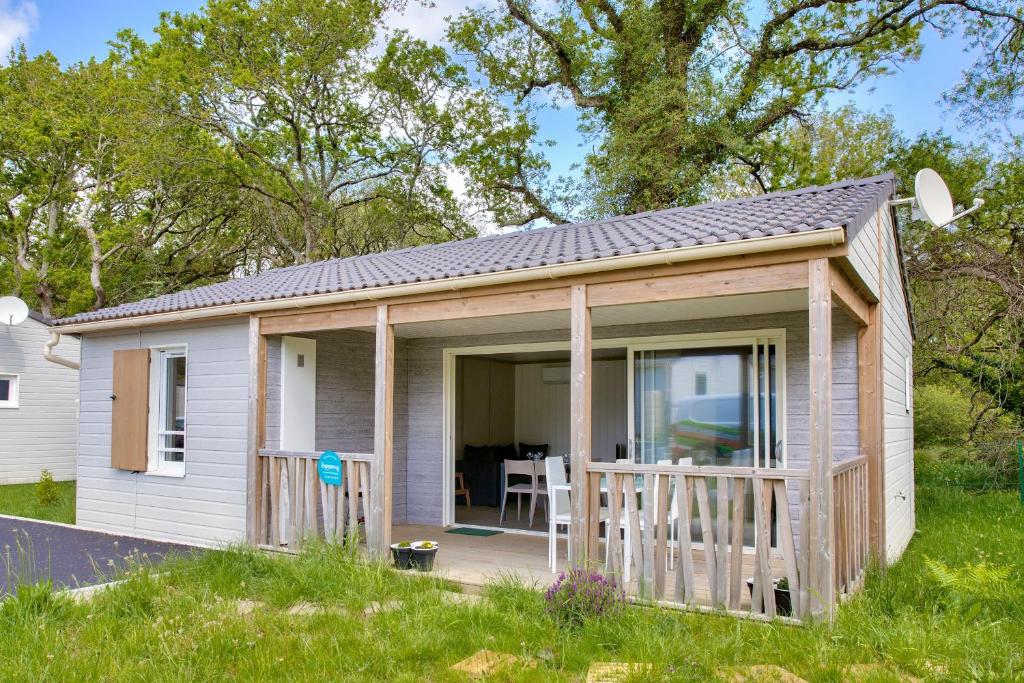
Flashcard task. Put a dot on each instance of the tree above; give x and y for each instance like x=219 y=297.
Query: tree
x=344 y=150
x=672 y=91
x=102 y=199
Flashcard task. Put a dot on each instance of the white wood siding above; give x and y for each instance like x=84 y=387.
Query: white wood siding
x=863 y=253
x=42 y=432
x=207 y=505
x=897 y=349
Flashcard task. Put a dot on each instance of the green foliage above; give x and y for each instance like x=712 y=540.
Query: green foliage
x=20 y=500
x=942 y=415
x=47 y=493
x=971 y=588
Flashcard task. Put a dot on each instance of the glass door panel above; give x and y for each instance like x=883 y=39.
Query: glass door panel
x=707 y=407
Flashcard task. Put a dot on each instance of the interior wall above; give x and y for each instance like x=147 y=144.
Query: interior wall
x=485 y=403
x=542 y=411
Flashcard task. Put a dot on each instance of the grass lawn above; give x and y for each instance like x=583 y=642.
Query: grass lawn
x=186 y=624
x=20 y=500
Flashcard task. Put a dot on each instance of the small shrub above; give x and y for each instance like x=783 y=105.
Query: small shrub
x=942 y=416
x=972 y=588
x=47 y=493
x=578 y=596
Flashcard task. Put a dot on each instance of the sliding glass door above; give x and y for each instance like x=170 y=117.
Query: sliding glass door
x=715 y=405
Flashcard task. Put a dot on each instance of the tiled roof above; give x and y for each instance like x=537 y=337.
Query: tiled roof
x=846 y=204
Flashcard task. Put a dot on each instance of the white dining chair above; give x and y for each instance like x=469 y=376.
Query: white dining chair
x=558 y=507
x=524 y=468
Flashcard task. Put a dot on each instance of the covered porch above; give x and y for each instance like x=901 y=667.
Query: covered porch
x=798 y=501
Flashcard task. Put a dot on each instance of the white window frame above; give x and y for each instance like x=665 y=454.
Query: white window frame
x=157 y=377
x=15 y=384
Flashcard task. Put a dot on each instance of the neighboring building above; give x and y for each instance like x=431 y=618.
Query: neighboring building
x=204 y=412
x=38 y=405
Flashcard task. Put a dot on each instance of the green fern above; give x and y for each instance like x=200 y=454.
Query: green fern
x=980 y=580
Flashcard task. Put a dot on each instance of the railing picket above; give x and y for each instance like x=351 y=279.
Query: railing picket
x=634 y=541
x=661 y=547
x=649 y=507
x=786 y=543
x=708 y=537
x=613 y=542
x=722 y=542
x=685 y=592
x=739 y=494
x=763 y=539
x=299 y=488
x=275 y=502
x=353 y=501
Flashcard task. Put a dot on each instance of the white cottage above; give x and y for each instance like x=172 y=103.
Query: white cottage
x=728 y=384
x=38 y=405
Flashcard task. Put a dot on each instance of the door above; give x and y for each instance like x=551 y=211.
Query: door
x=709 y=405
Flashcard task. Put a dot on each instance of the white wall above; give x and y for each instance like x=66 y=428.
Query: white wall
x=41 y=433
x=207 y=505
x=897 y=348
x=542 y=412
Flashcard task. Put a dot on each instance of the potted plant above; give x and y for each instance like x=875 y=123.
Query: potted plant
x=401 y=553
x=423 y=554
x=783 y=604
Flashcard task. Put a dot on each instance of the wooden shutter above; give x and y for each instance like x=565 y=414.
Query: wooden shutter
x=129 y=422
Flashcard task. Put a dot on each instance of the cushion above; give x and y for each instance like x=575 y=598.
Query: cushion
x=504 y=452
x=477 y=453
x=533 y=451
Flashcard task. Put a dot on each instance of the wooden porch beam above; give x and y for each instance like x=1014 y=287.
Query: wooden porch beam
x=848 y=298
x=766 y=278
x=309 y=321
x=869 y=410
x=481 y=306
x=821 y=560
x=580 y=447
x=378 y=520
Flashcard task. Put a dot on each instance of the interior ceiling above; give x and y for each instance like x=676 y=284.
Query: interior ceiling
x=630 y=314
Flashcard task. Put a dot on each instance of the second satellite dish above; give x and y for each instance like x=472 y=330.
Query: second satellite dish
x=13 y=310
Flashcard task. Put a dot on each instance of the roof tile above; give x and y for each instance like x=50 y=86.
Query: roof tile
x=847 y=204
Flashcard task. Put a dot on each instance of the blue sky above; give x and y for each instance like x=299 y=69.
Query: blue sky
x=76 y=30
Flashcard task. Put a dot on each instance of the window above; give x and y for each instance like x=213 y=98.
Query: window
x=167 y=401
x=8 y=391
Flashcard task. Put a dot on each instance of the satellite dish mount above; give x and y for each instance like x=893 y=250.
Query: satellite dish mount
x=13 y=311
x=933 y=200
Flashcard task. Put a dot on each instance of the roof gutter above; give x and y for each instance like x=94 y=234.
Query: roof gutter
x=816 y=238
x=49 y=355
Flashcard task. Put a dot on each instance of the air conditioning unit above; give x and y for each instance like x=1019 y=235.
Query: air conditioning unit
x=555 y=374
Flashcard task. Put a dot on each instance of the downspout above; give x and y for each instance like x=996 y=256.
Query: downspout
x=49 y=355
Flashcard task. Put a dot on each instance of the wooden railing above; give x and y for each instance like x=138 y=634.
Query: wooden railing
x=850 y=521
x=636 y=501
x=293 y=504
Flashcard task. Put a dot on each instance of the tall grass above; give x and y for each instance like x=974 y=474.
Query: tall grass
x=185 y=624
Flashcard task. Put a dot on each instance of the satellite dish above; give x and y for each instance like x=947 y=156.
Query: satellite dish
x=13 y=310
x=933 y=198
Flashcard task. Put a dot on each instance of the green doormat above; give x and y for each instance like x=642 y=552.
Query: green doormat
x=472 y=532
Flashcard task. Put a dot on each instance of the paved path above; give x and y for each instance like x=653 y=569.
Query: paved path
x=71 y=557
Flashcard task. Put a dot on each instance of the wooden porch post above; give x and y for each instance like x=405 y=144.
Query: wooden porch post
x=580 y=345
x=821 y=563
x=378 y=520
x=869 y=407
x=257 y=420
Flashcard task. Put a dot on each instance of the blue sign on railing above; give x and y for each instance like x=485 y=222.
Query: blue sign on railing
x=329 y=468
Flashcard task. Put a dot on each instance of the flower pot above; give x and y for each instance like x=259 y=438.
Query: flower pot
x=402 y=556
x=783 y=604
x=423 y=558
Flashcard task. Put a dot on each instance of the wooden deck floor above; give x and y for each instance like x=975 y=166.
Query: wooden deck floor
x=477 y=560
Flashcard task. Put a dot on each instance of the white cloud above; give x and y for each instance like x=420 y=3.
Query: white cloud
x=17 y=21
x=425 y=19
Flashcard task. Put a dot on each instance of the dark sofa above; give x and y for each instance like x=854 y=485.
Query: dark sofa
x=481 y=466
